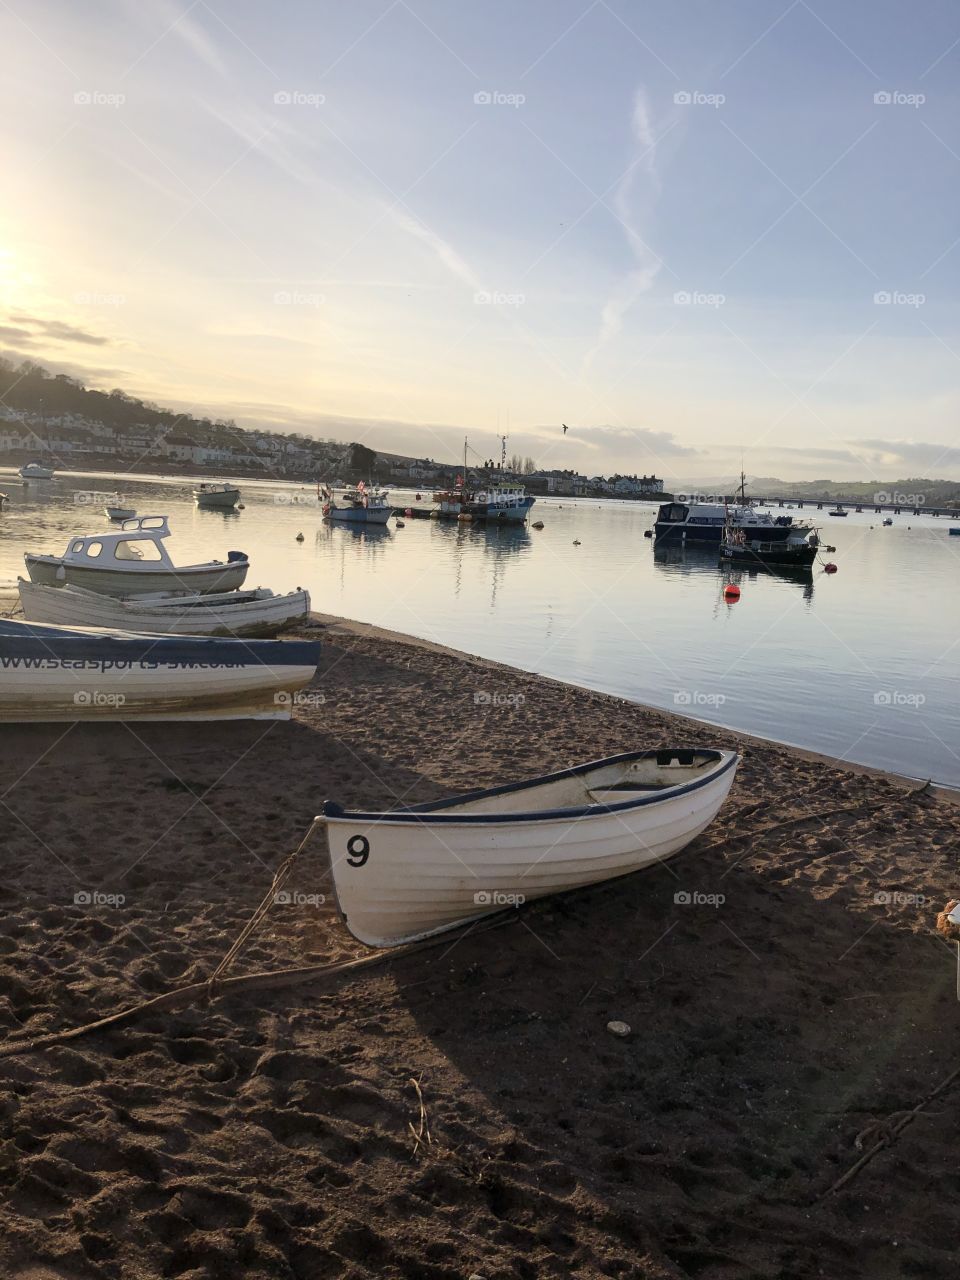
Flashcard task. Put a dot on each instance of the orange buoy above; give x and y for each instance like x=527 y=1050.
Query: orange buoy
x=731 y=592
x=830 y=568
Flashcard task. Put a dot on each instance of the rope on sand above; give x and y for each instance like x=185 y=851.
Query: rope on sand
x=894 y=1124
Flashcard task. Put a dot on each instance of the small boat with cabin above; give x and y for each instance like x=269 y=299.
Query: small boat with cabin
x=216 y=497
x=36 y=471
x=417 y=870
x=707 y=522
x=132 y=562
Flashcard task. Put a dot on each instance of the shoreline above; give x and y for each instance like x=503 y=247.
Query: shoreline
x=784 y=986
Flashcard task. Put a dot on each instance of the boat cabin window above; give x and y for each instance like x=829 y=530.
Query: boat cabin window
x=93 y=549
x=136 y=549
x=152 y=522
x=76 y=547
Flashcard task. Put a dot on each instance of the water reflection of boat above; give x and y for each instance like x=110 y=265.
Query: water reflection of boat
x=685 y=560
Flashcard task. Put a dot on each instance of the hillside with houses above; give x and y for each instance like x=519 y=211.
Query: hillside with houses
x=72 y=427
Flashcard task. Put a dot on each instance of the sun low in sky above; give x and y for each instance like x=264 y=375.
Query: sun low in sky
x=690 y=231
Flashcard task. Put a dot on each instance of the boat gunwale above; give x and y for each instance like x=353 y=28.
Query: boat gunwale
x=428 y=813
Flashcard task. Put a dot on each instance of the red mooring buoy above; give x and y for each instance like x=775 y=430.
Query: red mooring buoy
x=731 y=593
x=830 y=568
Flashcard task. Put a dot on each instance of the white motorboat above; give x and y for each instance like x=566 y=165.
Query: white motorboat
x=67 y=674
x=415 y=871
x=132 y=562
x=36 y=471
x=219 y=497
x=226 y=613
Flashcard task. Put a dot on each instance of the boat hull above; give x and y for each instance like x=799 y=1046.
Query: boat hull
x=220 y=500
x=785 y=557
x=56 y=674
x=399 y=878
x=713 y=535
x=255 y=614
x=52 y=571
x=359 y=515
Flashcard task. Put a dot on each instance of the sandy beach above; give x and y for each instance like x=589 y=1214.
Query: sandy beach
x=775 y=1038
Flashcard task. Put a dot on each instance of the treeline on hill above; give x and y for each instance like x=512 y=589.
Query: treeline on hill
x=907 y=493
x=29 y=388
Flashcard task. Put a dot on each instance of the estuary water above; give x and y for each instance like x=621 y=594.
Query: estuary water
x=862 y=665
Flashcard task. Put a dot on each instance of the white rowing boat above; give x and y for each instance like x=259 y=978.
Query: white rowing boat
x=406 y=874
x=217 y=497
x=220 y=613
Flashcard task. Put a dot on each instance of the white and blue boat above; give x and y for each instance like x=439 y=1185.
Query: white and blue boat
x=72 y=673
x=417 y=870
x=357 y=505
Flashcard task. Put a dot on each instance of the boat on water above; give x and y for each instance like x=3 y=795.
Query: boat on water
x=838 y=511
x=707 y=522
x=36 y=471
x=217 y=497
x=888 y=521
x=739 y=546
x=356 y=505
x=117 y=511
x=134 y=561
x=70 y=673
x=417 y=870
x=222 y=613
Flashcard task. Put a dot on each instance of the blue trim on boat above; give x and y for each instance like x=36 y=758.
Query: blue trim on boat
x=36 y=640
x=428 y=813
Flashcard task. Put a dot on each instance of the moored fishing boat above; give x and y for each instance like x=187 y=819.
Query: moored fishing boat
x=837 y=511
x=66 y=674
x=740 y=546
x=132 y=562
x=414 y=871
x=115 y=510
x=36 y=471
x=356 y=505
x=218 y=497
x=227 y=613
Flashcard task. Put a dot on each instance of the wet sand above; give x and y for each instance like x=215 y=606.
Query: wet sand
x=269 y=1134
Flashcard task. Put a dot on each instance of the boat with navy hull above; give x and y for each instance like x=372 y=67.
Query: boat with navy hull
x=51 y=674
x=708 y=522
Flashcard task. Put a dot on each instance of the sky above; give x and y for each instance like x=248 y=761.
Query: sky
x=694 y=232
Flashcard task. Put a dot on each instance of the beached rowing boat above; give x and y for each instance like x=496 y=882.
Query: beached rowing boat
x=411 y=872
x=221 y=613
x=73 y=673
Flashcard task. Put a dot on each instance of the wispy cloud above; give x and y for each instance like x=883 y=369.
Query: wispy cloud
x=639 y=279
x=444 y=251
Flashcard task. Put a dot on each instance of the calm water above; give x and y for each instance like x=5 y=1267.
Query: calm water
x=862 y=665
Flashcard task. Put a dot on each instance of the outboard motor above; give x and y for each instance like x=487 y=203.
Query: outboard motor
x=234 y=556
